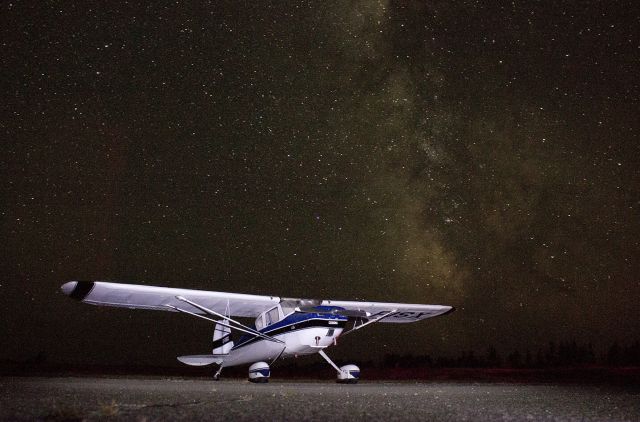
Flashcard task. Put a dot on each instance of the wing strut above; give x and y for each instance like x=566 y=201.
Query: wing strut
x=184 y=311
x=238 y=326
x=364 y=324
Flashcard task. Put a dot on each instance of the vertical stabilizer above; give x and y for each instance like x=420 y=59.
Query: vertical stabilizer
x=222 y=342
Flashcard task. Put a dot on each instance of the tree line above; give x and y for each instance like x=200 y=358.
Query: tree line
x=553 y=355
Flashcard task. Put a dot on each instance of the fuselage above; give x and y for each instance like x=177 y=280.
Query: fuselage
x=301 y=334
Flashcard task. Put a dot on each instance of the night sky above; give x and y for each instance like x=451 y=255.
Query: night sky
x=480 y=156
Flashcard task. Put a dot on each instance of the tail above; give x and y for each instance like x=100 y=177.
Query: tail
x=222 y=342
x=222 y=345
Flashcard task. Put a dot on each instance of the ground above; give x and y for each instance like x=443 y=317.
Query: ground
x=154 y=398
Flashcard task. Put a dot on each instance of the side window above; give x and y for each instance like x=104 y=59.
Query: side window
x=272 y=316
x=259 y=323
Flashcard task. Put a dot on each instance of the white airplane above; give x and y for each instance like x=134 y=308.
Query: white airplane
x=283 y=327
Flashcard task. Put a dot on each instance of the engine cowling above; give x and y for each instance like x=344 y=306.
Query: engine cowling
x=259 y=372
x=349 y=374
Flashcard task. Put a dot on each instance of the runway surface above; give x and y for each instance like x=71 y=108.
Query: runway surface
x=150 y=399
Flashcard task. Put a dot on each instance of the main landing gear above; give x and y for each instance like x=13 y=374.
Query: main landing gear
x=259 y=372
x=348 y=374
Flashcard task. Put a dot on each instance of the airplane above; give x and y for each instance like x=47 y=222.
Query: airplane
x=283 y=327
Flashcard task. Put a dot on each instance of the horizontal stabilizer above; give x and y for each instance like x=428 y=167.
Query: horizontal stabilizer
x=200 y=360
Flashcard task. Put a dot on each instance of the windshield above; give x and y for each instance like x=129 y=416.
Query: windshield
x=287 y=308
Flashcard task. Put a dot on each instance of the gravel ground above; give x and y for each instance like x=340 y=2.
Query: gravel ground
x=151 y=399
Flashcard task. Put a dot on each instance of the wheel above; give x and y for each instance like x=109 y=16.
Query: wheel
x=259 y=372
x=349 y=374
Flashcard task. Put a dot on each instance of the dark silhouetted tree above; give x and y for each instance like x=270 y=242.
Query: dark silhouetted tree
x=515 y=359
x=492 y=358
x=613 y=355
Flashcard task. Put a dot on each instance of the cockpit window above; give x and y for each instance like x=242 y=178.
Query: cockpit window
x=287 y=308
x=259 y=323
x=272 y=316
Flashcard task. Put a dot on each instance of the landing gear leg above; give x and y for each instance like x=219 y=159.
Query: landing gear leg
x=324 y=355
x=216 y=376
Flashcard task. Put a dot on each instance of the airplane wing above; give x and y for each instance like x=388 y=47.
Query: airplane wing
x=135 y=296
x=392 y=312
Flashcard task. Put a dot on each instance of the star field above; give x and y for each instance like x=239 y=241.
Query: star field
x=484 y=157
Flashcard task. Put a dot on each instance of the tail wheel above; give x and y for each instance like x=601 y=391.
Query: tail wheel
x=216 y=376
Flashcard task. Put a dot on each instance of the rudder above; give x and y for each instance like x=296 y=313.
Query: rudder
x=222 y=342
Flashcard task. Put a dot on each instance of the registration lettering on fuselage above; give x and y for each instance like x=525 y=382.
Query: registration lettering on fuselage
x=410 y=315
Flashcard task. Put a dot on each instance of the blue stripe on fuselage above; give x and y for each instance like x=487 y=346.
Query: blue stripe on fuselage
x=291 y=319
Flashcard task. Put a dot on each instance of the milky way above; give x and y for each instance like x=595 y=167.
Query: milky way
x=431 y=152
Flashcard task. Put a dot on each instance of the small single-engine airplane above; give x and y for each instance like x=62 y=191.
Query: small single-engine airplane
x=283 y=327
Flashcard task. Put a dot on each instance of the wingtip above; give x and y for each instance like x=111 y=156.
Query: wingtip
x=68 y=287
x=77 y=290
